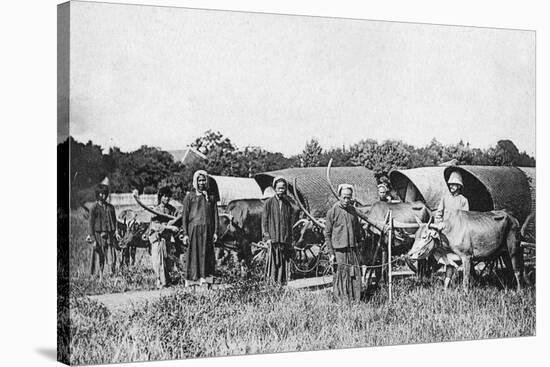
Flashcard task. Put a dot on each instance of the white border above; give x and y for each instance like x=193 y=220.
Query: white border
x=28 y=326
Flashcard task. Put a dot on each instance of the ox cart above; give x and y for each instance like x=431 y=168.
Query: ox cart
x=487 y=188
x=315 y=195
x=313 y=199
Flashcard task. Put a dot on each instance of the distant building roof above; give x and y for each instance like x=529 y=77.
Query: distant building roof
x=187 y=155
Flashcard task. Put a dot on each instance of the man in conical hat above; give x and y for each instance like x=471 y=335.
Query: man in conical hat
x=454 y=200
x=102 y=227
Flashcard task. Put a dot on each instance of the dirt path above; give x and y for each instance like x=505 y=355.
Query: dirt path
x=127 y=300
x=117 y=302
x=123 y=301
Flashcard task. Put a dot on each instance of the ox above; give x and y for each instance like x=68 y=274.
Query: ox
x=405 y=225
x=471 y=236
x=240 y=228
x=133 y=235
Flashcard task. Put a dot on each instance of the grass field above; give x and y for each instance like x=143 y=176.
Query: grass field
x=252 y=317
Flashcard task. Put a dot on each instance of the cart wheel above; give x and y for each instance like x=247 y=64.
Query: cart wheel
x=304 y=260
x=258 y=255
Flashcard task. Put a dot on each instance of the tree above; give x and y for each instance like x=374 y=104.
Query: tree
x=87 y=164
x=252 y=160
x=525 y=160
x=381 y=158
x=461 y=152
x=505 y=154
x=142 y=169
x=311 y=155
x=213 y=141
x=364 y=152
x=218 y=150
x=340 y=157
x=392 y=154
x=432 y=154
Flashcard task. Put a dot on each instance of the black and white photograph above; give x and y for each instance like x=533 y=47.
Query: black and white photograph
x=234 y=183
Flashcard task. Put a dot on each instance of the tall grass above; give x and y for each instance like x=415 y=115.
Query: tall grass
x=139 y=276
x=255 y=318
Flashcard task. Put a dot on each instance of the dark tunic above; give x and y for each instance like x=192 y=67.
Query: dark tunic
x=102 y=227
x=199 y=222
x=102 y=218
x=342 y=234
x=277 y=219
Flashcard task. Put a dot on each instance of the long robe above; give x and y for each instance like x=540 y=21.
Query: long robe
x=199 y=222
x=277 y=218
x=342 y=234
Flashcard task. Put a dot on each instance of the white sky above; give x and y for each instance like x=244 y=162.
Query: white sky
x=162 y=76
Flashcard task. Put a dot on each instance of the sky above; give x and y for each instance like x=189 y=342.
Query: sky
x=159 y=76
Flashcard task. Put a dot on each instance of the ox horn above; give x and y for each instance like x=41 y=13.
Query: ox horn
x=153 y=211
x=329 y=182
x=317 y=223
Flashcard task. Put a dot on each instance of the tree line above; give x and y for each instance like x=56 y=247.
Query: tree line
x=395 y=154
x=148 y=168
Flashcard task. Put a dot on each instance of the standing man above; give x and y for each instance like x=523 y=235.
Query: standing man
x=342 y=235
x=277 y=222
x=454 y=200
x=199 y=228
x=160 y=236
x=102 y=229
